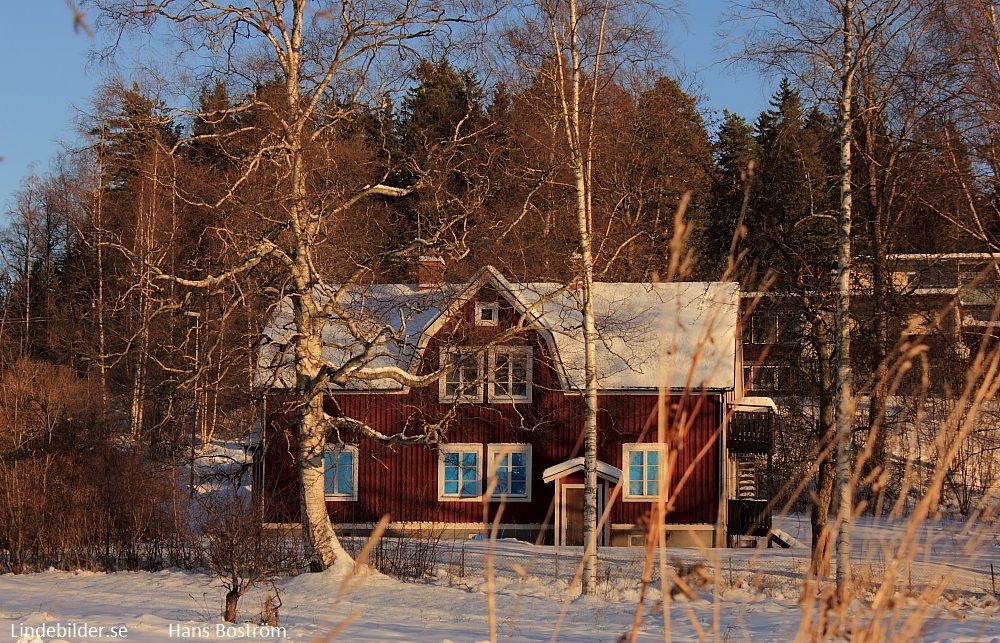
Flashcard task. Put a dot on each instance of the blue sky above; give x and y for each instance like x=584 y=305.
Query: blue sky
x=47 y=80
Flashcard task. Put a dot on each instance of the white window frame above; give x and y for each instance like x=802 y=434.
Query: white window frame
x=627 y=496
x=762 y=378
x=471 y=396
x=487 y=305
x=769 y=378
x=764 y=328
x=342 y=497
x=498 y=450
x=460 y=449
x=502 y=398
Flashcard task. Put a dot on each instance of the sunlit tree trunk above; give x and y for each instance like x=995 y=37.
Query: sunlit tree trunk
x=99 y=300
x=580 y=141
x=843 y=325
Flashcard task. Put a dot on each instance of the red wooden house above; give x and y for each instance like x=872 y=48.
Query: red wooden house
x=511 y=412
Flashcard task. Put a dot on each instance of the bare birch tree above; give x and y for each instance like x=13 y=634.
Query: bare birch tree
x=577 y=49
x=327 y=59
x=567 y=44
x=967 y=35
x=822 y=45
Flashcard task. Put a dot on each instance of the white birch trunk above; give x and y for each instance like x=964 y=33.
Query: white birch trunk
x=844 y=384
x=26 y=340
x=99 y=303
x=142 y=245
x=319 y=539
x=590 y=518
x=580 y=146
x=321 y=544
x=211 y=395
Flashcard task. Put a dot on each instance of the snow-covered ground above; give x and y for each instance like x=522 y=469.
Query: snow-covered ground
x=750 y=596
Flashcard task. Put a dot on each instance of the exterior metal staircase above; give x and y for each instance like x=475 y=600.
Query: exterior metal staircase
x=746 y=477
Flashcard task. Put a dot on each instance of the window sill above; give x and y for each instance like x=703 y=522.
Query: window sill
x=510 y=498
x=460 y=499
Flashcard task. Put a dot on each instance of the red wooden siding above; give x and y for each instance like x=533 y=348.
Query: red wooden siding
x=403 y=481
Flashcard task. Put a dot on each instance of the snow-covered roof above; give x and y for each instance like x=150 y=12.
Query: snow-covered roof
x=392 y=318
x=755 y=404
x=945 y=256
x=678 y=335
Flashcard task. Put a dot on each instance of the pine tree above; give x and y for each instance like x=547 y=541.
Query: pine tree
x=654 y=150
x=736 y=155
x=445 y=138
x=789 y=223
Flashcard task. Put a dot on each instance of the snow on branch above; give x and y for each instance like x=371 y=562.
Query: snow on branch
x=264 y=249
x=431 y=434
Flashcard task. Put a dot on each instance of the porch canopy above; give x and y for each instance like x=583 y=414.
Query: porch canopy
x=564 y=469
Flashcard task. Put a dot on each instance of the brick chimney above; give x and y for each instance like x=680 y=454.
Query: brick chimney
x=430 y=272
x=575 y=268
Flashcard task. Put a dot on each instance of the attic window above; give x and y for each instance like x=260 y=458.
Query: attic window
x=487 y=313
x=463 y=383
x=510 y=379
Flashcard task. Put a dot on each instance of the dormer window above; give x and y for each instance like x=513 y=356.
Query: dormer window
x=487 y=313
x=510 y=379
x=507 y=377
x=464 y=383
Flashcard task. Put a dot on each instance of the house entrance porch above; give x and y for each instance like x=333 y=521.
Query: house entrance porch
x=568 y=478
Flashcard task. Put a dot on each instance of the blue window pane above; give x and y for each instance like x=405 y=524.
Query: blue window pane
x=643 y=472
x=511 y=471
x=635 y=472
x=338 y=473
x=328 y=482
x=345 y=481
x=460 y=473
